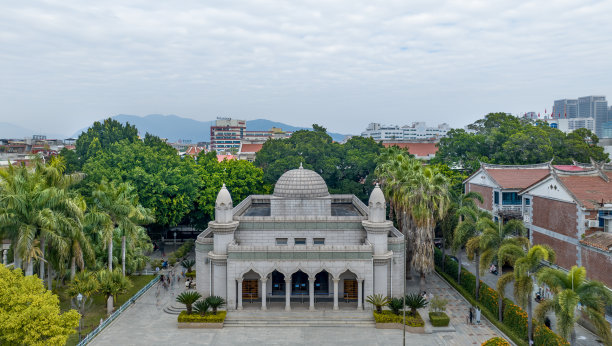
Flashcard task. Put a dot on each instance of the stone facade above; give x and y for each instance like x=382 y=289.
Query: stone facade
x=300 y=243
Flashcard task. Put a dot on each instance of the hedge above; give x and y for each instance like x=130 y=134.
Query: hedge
x=389 y=317
x=190 y=274
x=439 y=319
x=515 y=318
x=208 y=318
x=496 y=341
x=181 y=252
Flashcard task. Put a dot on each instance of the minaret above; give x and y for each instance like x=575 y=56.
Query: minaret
x=377 y=231
x=223 y=228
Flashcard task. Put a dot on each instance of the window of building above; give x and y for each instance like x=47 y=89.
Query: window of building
x=319 y=241
x=527 y=201
x=603 y=215
x=496 y=197
x=281 y=241
x=300 y=241
x=511 y=198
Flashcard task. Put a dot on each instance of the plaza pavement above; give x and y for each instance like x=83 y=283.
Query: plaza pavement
x=145 y=323
x=583 y=336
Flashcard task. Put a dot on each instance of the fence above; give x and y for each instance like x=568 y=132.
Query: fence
x=117 y=312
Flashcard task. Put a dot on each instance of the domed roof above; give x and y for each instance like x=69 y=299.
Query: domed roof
x=300 y=183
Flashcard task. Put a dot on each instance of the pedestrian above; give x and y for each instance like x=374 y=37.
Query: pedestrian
x=477 y=316
x=471 y=315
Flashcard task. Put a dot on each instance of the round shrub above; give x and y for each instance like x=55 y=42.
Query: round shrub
x=496 y=341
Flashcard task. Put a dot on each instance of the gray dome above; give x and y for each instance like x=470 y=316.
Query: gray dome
x=300 y=183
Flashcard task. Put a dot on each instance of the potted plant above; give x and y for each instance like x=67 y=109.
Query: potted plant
x=202 y=318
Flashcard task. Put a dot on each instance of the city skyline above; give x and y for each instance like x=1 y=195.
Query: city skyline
x=67 y=64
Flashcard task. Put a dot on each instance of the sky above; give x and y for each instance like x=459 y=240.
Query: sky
x=342 y=64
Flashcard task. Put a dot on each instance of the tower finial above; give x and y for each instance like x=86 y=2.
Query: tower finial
x=301 y=166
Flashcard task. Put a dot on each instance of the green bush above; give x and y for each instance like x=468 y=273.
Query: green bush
x=468 y=281
x=190 y=275
x=438 y=257
x=496 y=341
x=488 y=298
x=439 y=319
x=515 y=318
x=544 y=336
x=209 y=318
x=389 y=317
x=438 y=304
x=396 y=305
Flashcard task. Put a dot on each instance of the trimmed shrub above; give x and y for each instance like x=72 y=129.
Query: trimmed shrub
x=439 y=319
x=544 y=336
x=190 y=275
x=488 y=298
x=451 y=267
x=208 y=318
x=496 y=341
x=389 y=317
x=438 y=257
x=396 y=305
x=515 y=318
x=468 y=281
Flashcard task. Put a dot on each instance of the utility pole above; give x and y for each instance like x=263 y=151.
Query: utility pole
x=404 y=298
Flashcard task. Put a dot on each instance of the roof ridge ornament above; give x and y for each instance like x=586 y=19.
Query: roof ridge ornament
x=301 y=167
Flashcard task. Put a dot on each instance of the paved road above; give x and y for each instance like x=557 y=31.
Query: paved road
x=583 y=336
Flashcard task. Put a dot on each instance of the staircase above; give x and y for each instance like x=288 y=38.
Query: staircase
x=174 y=308
x=319 y=318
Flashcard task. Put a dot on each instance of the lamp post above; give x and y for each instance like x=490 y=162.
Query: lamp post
x=80 y=302
x=404 y=298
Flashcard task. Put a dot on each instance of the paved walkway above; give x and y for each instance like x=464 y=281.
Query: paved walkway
x=583 y=336
x=145 y=323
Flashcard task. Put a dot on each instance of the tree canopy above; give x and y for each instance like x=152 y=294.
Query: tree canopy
x=505 y=139
x=30 y=314
x=346 y=168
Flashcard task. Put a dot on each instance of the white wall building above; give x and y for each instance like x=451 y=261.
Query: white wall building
x=418 y=130
x=300 y=244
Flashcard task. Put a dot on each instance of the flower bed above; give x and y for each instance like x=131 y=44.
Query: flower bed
x=496 y=341
x=209 y=320
x=389 y=320
x=439 y=319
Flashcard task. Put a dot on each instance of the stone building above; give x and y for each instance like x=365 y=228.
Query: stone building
x=299 y=244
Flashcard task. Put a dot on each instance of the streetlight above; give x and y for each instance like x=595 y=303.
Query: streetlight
x=404 y=303
x=79 y=298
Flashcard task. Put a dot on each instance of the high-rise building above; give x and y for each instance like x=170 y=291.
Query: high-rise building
x=418 y=130
x=225 y=136
x=594 y=107
x=565 y=108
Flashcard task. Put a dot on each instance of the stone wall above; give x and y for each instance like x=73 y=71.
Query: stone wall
x=290 y=207
x=557 y=216
x=485 y=192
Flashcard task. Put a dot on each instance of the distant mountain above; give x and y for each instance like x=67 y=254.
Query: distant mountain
x=174 y=127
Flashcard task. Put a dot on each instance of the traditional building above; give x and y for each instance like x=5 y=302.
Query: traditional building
x=299 y=244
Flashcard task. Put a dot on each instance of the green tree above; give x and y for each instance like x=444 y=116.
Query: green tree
x=111 y=284
x=189 y=298
x=571 y=289
x=526 y=268
x=30 y=314
x=493 y=239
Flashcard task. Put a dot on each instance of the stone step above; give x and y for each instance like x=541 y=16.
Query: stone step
x=297 y=323
x=173 y=309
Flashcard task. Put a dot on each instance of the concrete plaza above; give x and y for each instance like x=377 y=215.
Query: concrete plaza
x=146 y=323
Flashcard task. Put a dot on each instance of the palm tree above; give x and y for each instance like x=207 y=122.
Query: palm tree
x=526 y=266
x=492 y=239
x=396 y=305
x=112 y=283
x=571 y=289
x=215 y=302
x=188 y=298
x=119 y=202
x=201 y=307
x=466 y=229
x=188 y=264
x=415 y=301
x=378 y=300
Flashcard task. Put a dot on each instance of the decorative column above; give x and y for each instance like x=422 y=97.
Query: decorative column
x=336 y=280
x=359 y=294
x=239 y=298
x=4 y=260
x=264 y=293
x=288 y=294
x=311 y=282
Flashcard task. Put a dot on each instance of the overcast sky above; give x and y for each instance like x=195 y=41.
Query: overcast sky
x=342 y=64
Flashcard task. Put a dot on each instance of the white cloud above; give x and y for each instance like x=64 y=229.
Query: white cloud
x=342 y=63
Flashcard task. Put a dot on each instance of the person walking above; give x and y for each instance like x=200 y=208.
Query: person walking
x=471 y=314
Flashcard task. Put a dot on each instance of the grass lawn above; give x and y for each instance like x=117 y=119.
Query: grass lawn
x=97 y=309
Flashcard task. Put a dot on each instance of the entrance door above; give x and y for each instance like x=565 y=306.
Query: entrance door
x=350 y=289
x=250 y=289
x=299 y=283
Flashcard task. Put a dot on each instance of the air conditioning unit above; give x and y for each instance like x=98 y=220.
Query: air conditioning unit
x=592 y=223
x=526 y=218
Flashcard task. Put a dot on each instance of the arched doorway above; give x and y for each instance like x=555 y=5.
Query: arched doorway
x=251 y=289
x=278 y=283
x=348 y=290
x=299 y=283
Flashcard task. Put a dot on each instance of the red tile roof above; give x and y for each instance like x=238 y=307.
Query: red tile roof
x=194 y=150
x=589 y=189
x=570 y=168
x=516 y=178
x=221 y=158
x=600 y=240
x=416 y=149
x=251 y=148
